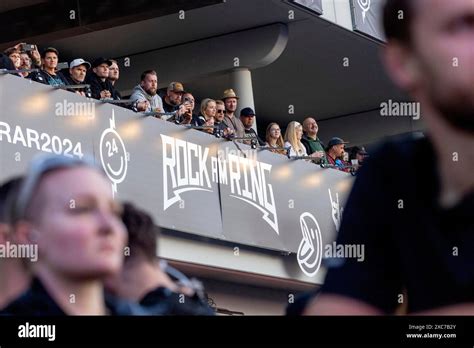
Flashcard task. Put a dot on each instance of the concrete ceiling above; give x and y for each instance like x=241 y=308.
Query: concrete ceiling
x=309 y=75
x=8 y=5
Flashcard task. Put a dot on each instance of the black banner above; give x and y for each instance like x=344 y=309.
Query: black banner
x=155 y=331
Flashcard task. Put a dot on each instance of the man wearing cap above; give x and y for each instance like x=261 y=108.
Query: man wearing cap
x=247 y=116
x=174 y=96
x=77 y=75
x=101 y=87
x=358 y=153
x=335 y=153
x=48 y=74
x=230 y=100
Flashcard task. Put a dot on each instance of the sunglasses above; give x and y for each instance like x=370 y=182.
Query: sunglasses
x=220 y=111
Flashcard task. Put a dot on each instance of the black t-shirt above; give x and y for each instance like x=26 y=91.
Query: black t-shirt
x=411 y=243
x=6 y=62
x=47 y=79
x=250 y=133
x=162 y=300
x=168 y=107
x=36 y=301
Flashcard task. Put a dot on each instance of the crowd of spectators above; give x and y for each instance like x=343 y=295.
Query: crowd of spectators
x=215 y=116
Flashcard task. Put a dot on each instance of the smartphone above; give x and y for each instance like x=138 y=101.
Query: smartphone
x=27 y=47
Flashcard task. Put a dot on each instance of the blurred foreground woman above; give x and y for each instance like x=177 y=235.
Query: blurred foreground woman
x=65 y=207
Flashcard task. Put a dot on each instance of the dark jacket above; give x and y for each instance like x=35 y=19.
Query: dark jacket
x=6 y=62
x=164 y=300
x=97 y=86
x=87 y=90
x=168 y=107
x=45 y=78
x=219 y=131
x=36 y=301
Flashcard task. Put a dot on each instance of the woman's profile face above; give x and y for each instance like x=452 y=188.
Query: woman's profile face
x=211 y=109
x=79 y=230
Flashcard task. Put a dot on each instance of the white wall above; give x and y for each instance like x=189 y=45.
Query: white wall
x=338 y=11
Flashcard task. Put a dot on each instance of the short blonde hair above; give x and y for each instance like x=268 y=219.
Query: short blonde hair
x=204 y=105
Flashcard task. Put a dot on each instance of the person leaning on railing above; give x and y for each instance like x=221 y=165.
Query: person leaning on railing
x=77 y=75
x=49 y=75
x=293 y=135
x=208 y=114
x=102 y=88
x=14 y=55
x=274 y=138
x=311 y=141
x=144 y=97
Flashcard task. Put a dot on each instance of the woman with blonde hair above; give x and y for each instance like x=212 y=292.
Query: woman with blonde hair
x=274 y=138
x=293 y=135
x=208 y=113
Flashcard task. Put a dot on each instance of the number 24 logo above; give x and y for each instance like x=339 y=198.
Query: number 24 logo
x=112 y=147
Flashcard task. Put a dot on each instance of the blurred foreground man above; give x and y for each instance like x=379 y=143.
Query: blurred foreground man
x=14 y=270
x=412 y=202
x=149 y=281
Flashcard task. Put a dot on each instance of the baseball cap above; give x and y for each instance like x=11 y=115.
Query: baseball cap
x=79 y=61
x=336 y=141
x=176 y=87
x=100 y=61
x=247 y=112
x=360 y=150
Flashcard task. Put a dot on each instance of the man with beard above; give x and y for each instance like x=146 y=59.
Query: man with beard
x=144 y=96
x=231 y=100
x=412 y=203
x=173 y=97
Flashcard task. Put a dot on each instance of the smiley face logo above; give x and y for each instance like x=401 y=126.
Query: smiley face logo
x=310 y=251
x=365 y=6
x=113 y=155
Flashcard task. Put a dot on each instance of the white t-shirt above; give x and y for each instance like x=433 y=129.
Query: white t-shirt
x=293 y=151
